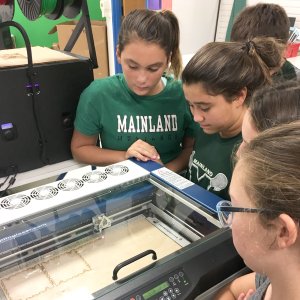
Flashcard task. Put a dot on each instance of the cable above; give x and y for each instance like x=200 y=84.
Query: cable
x=11 y=181
x=32 y=88
x=25 y=37
x=2 y=183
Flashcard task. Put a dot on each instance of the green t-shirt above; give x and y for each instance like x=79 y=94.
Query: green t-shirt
x=109 y=108
x=210 y=164
x=287 y=72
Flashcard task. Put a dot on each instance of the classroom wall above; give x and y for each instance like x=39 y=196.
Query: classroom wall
x=292 y=8
x=38 y=30
x=197 y=21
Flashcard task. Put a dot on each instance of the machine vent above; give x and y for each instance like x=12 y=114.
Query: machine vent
x=94 y=177
x=44 y=192
x=70 y=184
x=116 y=170
x=15 y=201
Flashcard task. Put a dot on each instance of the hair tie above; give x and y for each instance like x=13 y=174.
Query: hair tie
x=250 y=47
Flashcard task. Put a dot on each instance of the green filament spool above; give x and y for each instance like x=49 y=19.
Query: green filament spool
x=51 y=9
x=33 y=9
x=48 y=6
x=72 y=8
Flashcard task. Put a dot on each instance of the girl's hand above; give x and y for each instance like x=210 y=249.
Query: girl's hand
x=142 y=151
x=246 y=296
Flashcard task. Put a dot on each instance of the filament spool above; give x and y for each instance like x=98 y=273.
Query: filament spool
x=33 y=9
x=72 y=8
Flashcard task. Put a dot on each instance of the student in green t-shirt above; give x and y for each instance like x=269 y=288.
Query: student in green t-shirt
x=218 y=82
x=141 y=113
x=268 y=20
x=269 y=107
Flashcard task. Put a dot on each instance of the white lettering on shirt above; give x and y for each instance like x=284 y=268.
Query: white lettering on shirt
x=163 y=123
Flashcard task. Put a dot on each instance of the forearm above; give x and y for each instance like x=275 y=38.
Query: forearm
x=238 y=287
x=95 y=155
x=181 y=162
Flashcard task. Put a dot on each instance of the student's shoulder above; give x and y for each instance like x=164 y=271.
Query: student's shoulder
x=172 y=82
x=174 y=86
x=103 y=86
x=109 y=81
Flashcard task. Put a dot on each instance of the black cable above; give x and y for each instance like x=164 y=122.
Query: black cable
x=25 y=37
x=11 y=181
x=2 y=183
x=32 y=88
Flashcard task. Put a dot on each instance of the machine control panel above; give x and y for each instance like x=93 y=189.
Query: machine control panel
x=170 y=287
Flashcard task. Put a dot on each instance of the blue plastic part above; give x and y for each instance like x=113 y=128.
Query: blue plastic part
x=116 y=6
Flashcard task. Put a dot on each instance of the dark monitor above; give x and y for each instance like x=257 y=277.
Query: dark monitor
x=292 y=21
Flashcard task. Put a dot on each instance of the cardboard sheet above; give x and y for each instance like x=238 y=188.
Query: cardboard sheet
x=18 y=56
x=89 y=267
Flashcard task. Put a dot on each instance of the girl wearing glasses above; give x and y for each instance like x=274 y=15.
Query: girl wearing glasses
x=218 y=83
x=264 y=215
x=273 y=105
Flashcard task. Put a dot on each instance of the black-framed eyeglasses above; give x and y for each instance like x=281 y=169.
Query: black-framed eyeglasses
x=225 y=212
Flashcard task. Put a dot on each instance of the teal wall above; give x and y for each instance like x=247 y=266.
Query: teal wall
x=38 y=30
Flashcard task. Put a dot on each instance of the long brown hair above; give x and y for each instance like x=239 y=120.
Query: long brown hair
x=276 y=104
x=228 y=67
x=271 y=170
x=161 y=28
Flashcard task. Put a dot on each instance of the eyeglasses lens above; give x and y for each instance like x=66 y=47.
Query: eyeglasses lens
x=225 y=217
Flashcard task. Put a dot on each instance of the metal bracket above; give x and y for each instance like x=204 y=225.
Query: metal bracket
x=100 y=222
x=84 y=23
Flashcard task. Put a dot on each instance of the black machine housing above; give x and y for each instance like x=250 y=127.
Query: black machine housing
x=36 y=120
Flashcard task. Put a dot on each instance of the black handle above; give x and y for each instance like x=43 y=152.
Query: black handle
x=131 y=260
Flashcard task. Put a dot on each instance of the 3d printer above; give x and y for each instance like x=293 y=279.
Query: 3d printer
x=38 y=99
